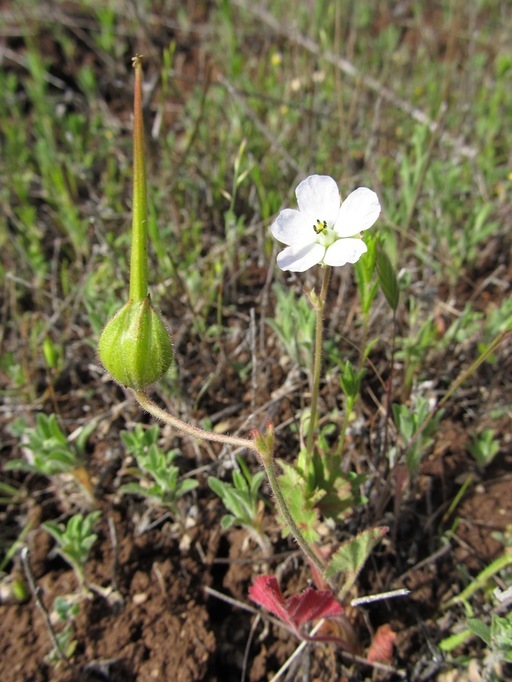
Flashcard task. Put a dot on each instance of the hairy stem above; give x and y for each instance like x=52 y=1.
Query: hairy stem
x=268 y=463
x=147 y=404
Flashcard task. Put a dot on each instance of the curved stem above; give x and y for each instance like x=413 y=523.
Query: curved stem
x=317 y=367
x=147 y=404
x=264 y=454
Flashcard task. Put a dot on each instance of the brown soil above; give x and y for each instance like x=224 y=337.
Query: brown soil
x=158 y=623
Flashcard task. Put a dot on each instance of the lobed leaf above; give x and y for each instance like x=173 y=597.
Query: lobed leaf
x=350 y=558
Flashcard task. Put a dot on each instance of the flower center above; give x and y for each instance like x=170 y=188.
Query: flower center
x=320 y=226
x=325 y=233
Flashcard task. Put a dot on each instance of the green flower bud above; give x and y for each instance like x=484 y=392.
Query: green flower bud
x=264 y=442
x=135 y=346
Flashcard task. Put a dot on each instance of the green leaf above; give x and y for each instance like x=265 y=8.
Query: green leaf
x=240 y=482
x=350 y=380
x=294 y=489
x=227 y=521
x=55 y=430
x=83 y=436
x=55 y=530
x=351 y=556
x=387 y=278
x=454 y=641
x=76 y=539
x=480 y=629
x=132 y=489
x=19 y=465
x=217 y=486
x=501 y=635
x=186 y=486
x=242 y=498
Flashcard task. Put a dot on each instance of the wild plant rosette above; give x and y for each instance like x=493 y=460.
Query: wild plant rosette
x=323 y=229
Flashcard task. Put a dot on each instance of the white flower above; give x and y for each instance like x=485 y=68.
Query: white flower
x=324 y=230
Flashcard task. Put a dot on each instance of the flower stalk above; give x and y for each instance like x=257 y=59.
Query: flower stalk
x=317 y=366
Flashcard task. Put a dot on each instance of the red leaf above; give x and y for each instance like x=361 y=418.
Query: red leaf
x=381 y=648
x=297 y=610
x=265 y=592
x=312 y=605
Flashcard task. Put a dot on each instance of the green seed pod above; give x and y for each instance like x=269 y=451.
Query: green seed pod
x=135 y=346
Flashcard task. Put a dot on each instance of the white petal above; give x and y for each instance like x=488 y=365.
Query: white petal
x=319 y=198
x=293 y=228
x=301 y=258
x=345 y=251
x=358 y=212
